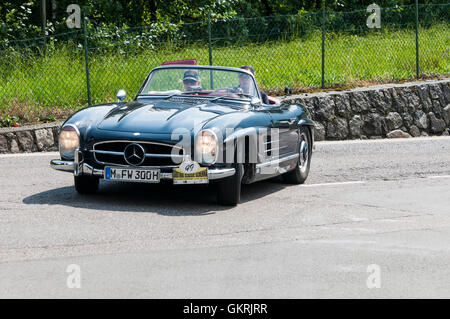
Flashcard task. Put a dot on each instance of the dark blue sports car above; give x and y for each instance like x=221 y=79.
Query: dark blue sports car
x=190 y=125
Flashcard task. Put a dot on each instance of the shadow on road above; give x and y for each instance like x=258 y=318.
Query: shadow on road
x=163 y=199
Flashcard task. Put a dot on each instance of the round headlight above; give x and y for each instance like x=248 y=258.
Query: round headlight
x=68 y=141
x=206 y=147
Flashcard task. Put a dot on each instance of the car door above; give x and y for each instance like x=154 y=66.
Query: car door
x=284 y=122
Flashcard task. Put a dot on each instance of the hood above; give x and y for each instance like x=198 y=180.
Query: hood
x=160 y=116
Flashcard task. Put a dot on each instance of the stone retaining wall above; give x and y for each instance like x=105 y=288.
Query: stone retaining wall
x=33 y=138
x=394 y=110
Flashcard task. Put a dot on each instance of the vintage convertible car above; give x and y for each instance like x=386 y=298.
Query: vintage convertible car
x=188 y=124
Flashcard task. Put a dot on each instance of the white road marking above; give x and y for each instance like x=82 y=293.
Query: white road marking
x=384 y=140
x=30 y=154
x=362 y=182
x=332 y=184
x=439 y=176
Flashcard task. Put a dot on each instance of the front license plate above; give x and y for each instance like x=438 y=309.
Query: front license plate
x=132 y=174
x=198 y=177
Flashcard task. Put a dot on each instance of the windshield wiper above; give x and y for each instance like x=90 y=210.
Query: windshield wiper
x=181 y=94
x=231 y=98
x=171 y=95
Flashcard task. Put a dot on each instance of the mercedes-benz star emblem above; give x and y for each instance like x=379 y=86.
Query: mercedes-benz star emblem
x=134 y=154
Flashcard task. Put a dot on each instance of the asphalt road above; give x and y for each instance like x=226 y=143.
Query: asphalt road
x=379 y=202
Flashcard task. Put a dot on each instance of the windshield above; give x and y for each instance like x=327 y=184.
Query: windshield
x=197 y=81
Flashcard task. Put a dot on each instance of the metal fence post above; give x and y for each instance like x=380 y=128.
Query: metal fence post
x=86 y=59
x=417 y=39
x=44 y=24
x=323 y=44
x=209 y=38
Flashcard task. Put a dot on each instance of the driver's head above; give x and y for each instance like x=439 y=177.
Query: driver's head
x=245 y=81
x=190 y=79
x=249 y=68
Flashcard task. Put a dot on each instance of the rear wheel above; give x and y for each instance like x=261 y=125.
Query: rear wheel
x=86 y=184
x=300 y=173
x=229 y=189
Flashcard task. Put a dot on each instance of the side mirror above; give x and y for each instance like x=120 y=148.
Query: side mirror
x=255 y=102
x=121 y=95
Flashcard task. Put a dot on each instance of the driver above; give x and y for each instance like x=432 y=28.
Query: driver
x=191 y=81
x=245 y=82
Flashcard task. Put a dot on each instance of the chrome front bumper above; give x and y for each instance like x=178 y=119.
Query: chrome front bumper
x=86 y=169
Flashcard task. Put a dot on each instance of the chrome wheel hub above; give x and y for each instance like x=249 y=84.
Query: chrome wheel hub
x=304 y=153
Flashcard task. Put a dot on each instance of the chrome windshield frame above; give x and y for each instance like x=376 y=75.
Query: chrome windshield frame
x=197 y=67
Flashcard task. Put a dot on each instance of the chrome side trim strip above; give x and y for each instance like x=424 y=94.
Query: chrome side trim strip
x=275 y=141
x=277 y=161
x=274 y=149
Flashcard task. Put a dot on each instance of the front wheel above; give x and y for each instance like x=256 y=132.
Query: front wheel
x=229 y=189
x=86 y=184
x=300 y=173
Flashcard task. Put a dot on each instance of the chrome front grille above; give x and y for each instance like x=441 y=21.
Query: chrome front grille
x=156 y=154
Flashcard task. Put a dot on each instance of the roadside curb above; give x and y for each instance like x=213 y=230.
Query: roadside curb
x=32 y=138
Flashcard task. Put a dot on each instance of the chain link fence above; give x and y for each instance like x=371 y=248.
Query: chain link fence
x=47 y=77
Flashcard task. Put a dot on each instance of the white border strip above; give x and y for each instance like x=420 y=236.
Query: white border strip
x=439 y=176
x=385 y=140
x=333 y=184
x=30 y=154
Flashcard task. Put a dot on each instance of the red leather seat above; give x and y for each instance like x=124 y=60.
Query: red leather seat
x=273 y=100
